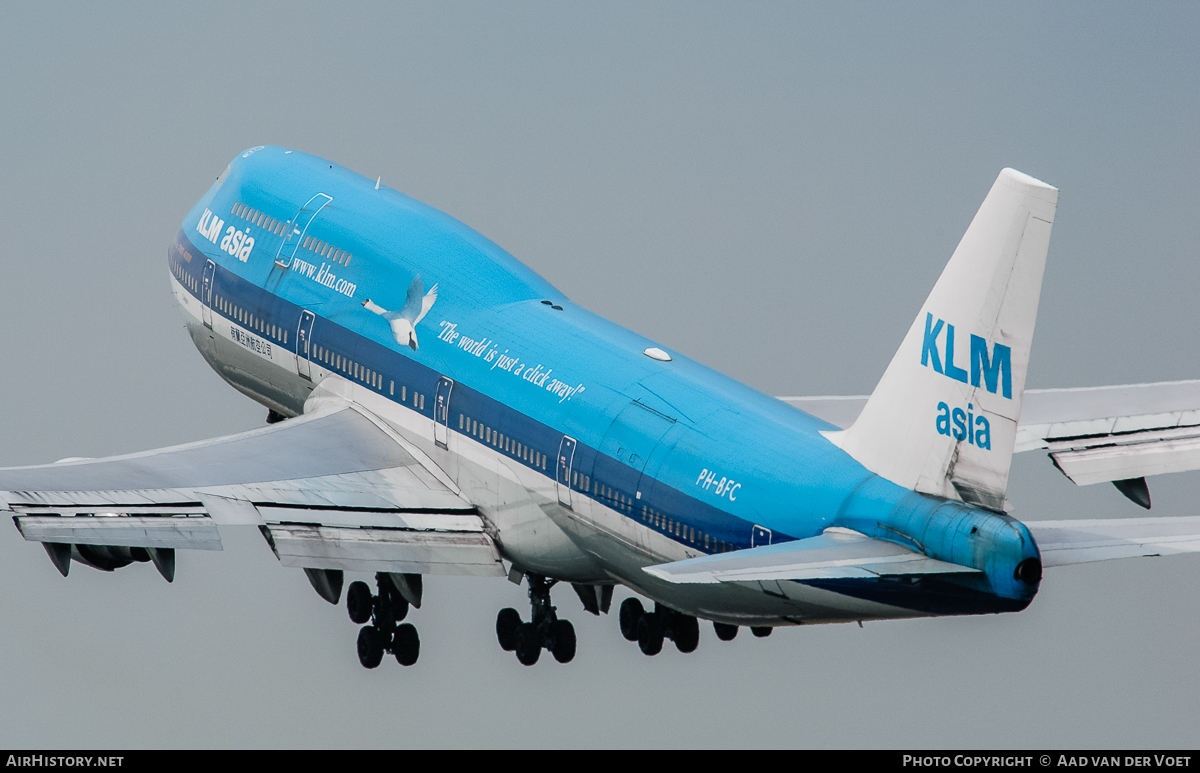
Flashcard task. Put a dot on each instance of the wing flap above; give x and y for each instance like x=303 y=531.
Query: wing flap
x=194 y=532
x=1078 y=542
x=1133 y=455
x=460 y=548
x=838 y=553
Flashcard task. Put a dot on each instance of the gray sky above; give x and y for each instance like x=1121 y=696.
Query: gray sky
x=771 y=188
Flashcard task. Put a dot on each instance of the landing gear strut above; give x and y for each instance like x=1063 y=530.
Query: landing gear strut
x=649 y=629
x=382 y=633
x=544 y=631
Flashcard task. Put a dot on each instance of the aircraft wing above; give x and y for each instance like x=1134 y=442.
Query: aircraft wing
x=1093 y=434
x=336 y=489
x=835 y=554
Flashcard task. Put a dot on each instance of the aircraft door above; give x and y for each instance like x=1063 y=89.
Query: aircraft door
x=298 y=228
x=206 y=288
x=759 y=536
x=304 y=344
x=441 y=412
x=566 y=457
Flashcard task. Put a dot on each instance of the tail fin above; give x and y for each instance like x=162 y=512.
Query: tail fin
x=943 y=419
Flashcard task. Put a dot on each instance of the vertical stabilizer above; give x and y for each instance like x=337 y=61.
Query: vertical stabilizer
x=943 y=419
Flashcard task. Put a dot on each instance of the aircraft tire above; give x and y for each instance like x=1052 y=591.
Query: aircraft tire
x=761 y=631
x=507 y=622
x=650 y=635
x=529 y=645
x=562 y=635
x=370 y=647
x=725 y=631
x=358 y=602
x=406 y=645
x=631 y=612
x=687 y=633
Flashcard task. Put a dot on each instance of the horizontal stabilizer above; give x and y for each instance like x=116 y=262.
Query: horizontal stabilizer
x=1080 y=542
x=836 y=554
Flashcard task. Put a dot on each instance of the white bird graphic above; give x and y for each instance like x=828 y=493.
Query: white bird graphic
x=416 y=306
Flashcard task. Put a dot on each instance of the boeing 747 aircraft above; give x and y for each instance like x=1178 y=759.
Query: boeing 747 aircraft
x=435 y=407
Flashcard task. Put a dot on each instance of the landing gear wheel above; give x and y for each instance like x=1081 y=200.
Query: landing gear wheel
x=370 y=647
x=725 y=631
x=687 y=633
x=562 y=638
x=761 y=631
x=528 y=644
x=507 y=622
x=406 y=645
x=358 y=602
x=649 y=635
x=631 y=612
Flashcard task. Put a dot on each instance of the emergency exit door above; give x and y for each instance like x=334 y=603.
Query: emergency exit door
x=206 y=291
x=566 y=458
x=304 y=344
x=441 y=412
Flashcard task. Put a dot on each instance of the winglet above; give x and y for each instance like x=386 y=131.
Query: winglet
x=943 y=418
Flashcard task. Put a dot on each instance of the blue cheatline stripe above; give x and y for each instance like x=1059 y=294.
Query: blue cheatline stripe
x=602 y=478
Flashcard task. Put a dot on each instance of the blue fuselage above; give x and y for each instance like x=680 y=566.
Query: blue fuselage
x=646 y=459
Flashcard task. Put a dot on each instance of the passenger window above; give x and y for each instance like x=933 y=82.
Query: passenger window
x=347 y=263
x=392 y=389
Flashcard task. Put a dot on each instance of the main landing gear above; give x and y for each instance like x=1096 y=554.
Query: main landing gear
x=382 y=613
x=649 y=629
x=544 y=631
